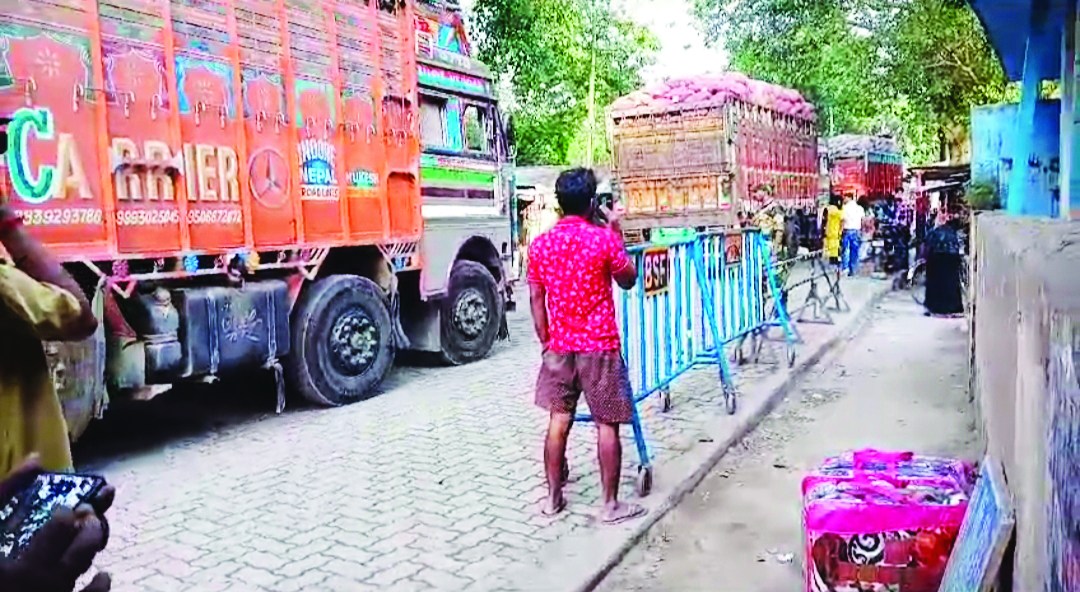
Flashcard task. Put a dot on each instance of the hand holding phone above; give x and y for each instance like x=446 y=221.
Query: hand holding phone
x=613 y=216
x=47 y=550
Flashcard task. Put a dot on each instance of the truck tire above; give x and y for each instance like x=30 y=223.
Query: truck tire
x=342 y=341
x=471 y=314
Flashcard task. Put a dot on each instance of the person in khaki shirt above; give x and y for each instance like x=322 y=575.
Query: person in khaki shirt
x=39 y=301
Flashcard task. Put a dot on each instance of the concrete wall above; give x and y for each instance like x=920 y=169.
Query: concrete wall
x=1026 y=331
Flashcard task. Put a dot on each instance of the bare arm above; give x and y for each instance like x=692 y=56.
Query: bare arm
x=538 y=304
x=34 y=260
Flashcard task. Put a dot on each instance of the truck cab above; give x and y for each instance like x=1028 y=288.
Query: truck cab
x=466 y=180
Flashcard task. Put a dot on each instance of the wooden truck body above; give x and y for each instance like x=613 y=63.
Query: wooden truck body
x=701 y=165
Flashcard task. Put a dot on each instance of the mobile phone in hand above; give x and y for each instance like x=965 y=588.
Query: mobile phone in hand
x=602 y=202
x=23 y=514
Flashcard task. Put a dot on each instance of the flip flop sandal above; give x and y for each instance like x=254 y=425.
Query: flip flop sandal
x=632 y=511
x=552 y=512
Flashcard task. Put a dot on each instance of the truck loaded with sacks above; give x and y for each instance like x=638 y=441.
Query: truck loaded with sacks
x=694 y=152
x=865 y=166
x=295 y=187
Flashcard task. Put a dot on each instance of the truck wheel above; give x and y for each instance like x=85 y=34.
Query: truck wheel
x=342 y=341
x=471 y=313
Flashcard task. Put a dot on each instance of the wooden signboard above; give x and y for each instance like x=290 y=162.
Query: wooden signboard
x=976 y=558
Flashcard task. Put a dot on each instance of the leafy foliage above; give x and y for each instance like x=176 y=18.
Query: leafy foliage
x=983 y=195
x=910 y=68
x=544 y=50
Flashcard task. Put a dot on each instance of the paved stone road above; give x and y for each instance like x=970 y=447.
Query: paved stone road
x=434 y=485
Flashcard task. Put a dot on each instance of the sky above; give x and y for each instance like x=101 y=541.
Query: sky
x=683 y=51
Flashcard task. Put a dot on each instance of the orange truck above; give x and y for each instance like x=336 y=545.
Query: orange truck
x=301 y=186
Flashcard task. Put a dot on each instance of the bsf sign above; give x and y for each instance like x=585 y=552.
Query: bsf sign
x=733 y=244
x=657 y=271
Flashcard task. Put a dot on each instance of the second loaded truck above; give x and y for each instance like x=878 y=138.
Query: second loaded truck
x=694 y=152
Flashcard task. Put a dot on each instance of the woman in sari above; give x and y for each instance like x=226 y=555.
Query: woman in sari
x=944 y=294
x=832 y=231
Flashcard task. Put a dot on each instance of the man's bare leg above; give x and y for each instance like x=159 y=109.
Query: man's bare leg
x=555 y=460
x=609 y=451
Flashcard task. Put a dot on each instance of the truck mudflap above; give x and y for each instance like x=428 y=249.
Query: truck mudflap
x=78 y=374
x=401 y=339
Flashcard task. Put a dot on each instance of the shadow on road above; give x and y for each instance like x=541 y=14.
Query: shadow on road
x=186 y=411
x=191 y=411
x=199 y=410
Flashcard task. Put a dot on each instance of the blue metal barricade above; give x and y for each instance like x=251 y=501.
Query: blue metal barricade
x=692 y=298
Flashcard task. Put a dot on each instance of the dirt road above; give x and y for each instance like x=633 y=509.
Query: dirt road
x=901 y=385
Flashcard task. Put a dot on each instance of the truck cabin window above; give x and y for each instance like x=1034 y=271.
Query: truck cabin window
x=433 y=124
x=476 y=130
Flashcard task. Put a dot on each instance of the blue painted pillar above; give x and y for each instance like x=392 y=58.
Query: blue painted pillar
x=1069 y=181
x=1016 y=201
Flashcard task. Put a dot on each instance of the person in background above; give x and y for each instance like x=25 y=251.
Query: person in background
x=770 y=219
x=792 y=233
x=869 y=231
x=901 y=260
x=944 y=292
x=852 y=215
x=571 y=269
x=833 y=224
x=922 y=218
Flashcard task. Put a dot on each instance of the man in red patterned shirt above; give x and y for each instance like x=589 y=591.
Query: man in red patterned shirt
x=571 y=268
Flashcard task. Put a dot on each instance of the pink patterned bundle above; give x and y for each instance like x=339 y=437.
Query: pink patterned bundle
x=882 y=522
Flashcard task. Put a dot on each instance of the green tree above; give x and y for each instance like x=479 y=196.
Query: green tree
x=938 y=56
x=911 y=68
x=547 y=52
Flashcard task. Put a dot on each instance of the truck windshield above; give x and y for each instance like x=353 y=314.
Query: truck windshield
x=476 y=130
x=433 y=123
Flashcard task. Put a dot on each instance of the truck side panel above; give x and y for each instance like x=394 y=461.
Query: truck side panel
x=364 y=154
x=698 y=166
x=56 y=172
x=153 y=128
x=210 y=131
x=776 y=157
x=134 y=67
x=267 y=137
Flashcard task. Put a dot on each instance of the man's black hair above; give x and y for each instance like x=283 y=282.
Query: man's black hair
x=576 y=192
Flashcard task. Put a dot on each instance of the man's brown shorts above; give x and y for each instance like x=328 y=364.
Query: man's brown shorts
x=601 y=376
